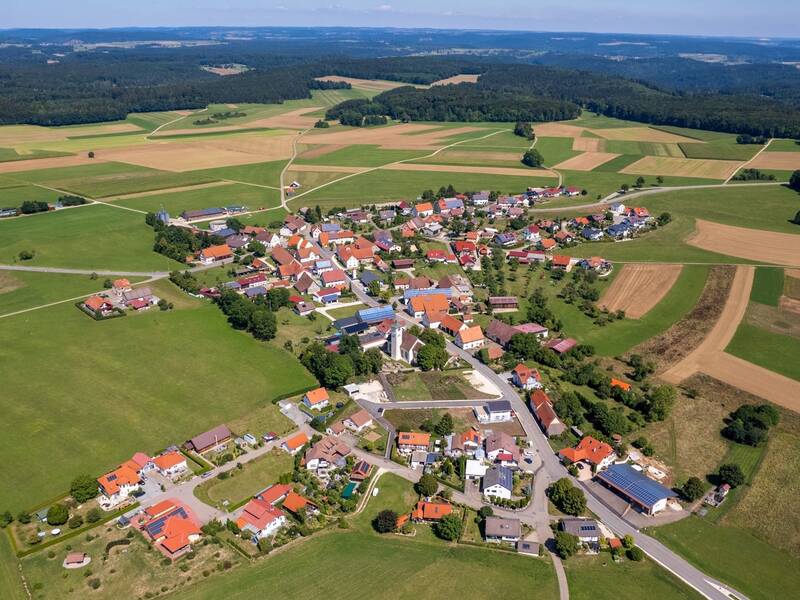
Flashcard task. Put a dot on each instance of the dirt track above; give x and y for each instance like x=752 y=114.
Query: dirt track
x=639 y=288
x=586 y=161
x=753 y=244
x=461 y=169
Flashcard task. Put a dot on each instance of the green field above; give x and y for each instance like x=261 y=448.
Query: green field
x=779 y=353
x=266 y=173
x=91 y=237
x=599 y=578
x=447 y=385
x=245 y=483
x=642 y=148
x=10 y=154
x=10 y=581
x=418 y=567
x=785 y=146
x=720 y=150
x=617 y=164
x=205 y=197
x=16 y=193
x=767 y=286
x=362 y=155
x=555 y=150
x=184 y=372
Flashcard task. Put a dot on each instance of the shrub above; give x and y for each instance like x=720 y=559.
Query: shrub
x=731 y=474
x=635 y=553
x=385 y=521
x=83 y=488
x=693 y=489
x=427 y=485
x=94 y=583
x=58 y=514
x=93 y=515
x=24 y=517
x=566 y=544
x=75 y=522
x=567 y=498
x=448 y=527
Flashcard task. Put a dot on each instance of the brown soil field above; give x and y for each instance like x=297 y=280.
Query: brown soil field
x=395 y=136
x=183 y=188
x=641 y=134
x=489 y=156
x=557 y=130
x=267 y=147
x=326 y=169
x=17 y=166
x=183 y=113
x=683 y=167
x=791 y=287
x=13 y=135
x=368 y=84
x=788 y=161
x=316 y=151
x=639 y=288
x=455 y=79
x=461 y=169
x=790 y=305
x=675 y=343
x=98 y=130
x=753 y=244
x=586 y=144
x=294 y=119
x=586 y=161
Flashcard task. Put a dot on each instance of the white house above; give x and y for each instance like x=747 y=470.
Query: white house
x=261 y=519
x=498 y=530
x=317 y=399
x=171 y=464
x=358 y=421
x=498 y=482
x=526 y=378
x=494 y=411
x=470 y=338
x=475 y=469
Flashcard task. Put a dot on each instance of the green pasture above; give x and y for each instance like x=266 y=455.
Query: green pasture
x=767 y=285
x=205 y=197
x=362 y=155
x=773 y=351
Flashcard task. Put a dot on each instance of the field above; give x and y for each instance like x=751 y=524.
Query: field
x=767 y=286
x=786 y=161
x=599 y=578
x=778 y=353
x=639 y=288
x=175 y=202
x=683 y=167
x=588 y=161
x=785 y=146
x=245 y=483
x=406 y=567
x=768 y=247
x=90 y=237
x=79 y=401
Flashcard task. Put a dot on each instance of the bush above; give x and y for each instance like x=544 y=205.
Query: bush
x=94 y=583
x=427 y=485
x=93 y=515
x=24 y=517
x=75 y=522
x=385 y=521
x=485 y=511
x=448 y=527
x=731 y=474
x=566 y=544
x=58 y=514
x=693 y=489
x=567 y=498
x=6 y=519
x=635 y=554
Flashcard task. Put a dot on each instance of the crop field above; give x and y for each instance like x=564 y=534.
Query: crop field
x=359 y=155
x=77 y=400
x=785 y=146
x=639 y=288
x=787 y=161
x=773 y=351
x=768 y=247
x=767 y=286
x=90 y=237
x=10 y=154
x=264 y=173
x=723 y=150
x=641 y=134
x=555 y=150
x=204 y=197
x=17 y=193
x=644 y=148
x=587 y=161
x=683 y=167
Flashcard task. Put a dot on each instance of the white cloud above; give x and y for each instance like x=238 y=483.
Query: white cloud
x=385 y=7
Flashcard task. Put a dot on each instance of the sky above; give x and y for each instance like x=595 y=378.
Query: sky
x=773 y=18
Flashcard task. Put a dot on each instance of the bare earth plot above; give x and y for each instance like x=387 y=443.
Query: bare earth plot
x=710 y=357
x=639 y=288
x=558 y=130
x=587 y=144
x=401 y=137
x=787 y=161
x=294 y=119
x=18 y=166
x=683 y=167
x=754 y=244
x=461 y=169
x=456 y=79
x=586 y=161
x=481 y=155
x=641 y=134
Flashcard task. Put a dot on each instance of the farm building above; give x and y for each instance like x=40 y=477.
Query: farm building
x=210 y=439
x=642 y=492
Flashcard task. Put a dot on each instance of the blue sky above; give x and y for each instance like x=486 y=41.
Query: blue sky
x=775 y=18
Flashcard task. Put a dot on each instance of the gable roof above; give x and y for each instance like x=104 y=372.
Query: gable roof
x=210 y=437
x=295 y=502
x=635 y=485
x=431 y=511
x=318 y=395
x=470 y=334
x=499 y=475
x=221 y=251
x=169 y=460
x=296 y=441
x=410 y=438
x=589 y=449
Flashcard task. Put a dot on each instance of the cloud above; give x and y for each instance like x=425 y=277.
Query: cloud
x=385 y=7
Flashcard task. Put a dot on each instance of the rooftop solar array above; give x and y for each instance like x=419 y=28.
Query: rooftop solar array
x=155 y=526
x=635 y=484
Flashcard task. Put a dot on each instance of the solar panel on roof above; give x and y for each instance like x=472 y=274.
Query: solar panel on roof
x=635 y=484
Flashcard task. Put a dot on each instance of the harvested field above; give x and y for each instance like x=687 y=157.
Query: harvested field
x=558 y=130
x=639 y=288
x=294 y=119
x=683 y=167
x=183 y=188
x=783 y=319
x=316 y=151
x=478 y=155
x=790 y=305
x=456 y=79
x=183 y=113
x=787 y=161
x=34 y=164
x=407 y=136
x=587 y=144
x=641 y=134
x=375 y=85
x=675 y=343
x=462 y=169
x=326 y=169
x=311 y=179
x=586 y=161
x=752 y=244
x=71 y=132
x=197 y=131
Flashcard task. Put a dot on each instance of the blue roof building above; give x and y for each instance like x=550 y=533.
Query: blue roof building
x=375 y=315
x=642 y=492
x=256 y=291
x=590 y=233
x=407 y=294
x=368 y=277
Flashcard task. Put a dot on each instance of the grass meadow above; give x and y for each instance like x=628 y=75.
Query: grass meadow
x=104 y=390
x=773 y=351
x=205 y=197
x=767 y=286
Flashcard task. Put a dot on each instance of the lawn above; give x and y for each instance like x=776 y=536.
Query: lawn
x=732 y=555
x=345 y=311
x=205 y=197
x=405 y=567
x=767 y=286
x=773 y=351
x=433 y=385
x=91 y=237
x=244 y=483
x=10 y=581
x=184 y=372
x=20 y=289
x=599 y=578
x=412 y=419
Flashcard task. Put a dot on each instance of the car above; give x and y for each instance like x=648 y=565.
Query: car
x=269 y=436
x=206 y=475
x=529 y=460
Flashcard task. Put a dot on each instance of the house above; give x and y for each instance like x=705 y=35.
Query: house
x=139 y=298
x=406 y=345
x=498 y=482
x=460 y=444
x=334 y=278
x=327 y=295
x=326 y=455
x=572 y=191
x=504 y=303
x=360 y=471
x=498 y=529
x=644 y=494
x=531 y=234
x=561 y=263
x=98 y=304
x=294 y=503
x=507 y=238
x=474 y=469
x=121 y=285
x=432 y=229
x=547 y=244
x=432 y=303
x=252 y=281
x=116 y=486
x=214 y=254
x=501 y=447
x=561 y=346
x=619 y=231
x=261 y=519
x=358 y=421
x=592 y=234
x=317 y=399
x=586 y=530
x=210 y=440
x=305 y=284
x=617 y=208
x=563 y=237
x=409 y=441
x=526 y=378
x=292 y=225
x=193 y=215
x=74 y=559
x=274 y=493
x=595 y=263
x=304 y=308
x=170 y=464
x=494 y=411
x=171 y=526
x=470 y=338
x=403 y=263
x=423 y=209
x=591 y=451
x=268 y=239
x=255 y=292
x=430 y=511
x=545 y=414
x=295 y=443
x=367 y=277
x=450 y=325
x=480 y=198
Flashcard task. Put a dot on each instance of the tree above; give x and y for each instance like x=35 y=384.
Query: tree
x=639 y=182
x=732 y=474
x=83 y=488
x=566 y=544
x=91 y=154
x=624 y=187
x=567 y=498
x=664 y=218
x=93 y=515
x=58 y=514
x=430 y=357
x=660 y=402
x=6 y=519
x=693 y=489
x=75 y=522
x=385 y=521
x=635 y=554
x=485 y=511
x=794 y=181
x=448 y=527
x=445 y=425
x=533 y=158
x=263 y=324
x=427 y=485
x=796 y=219
x=374 y=288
